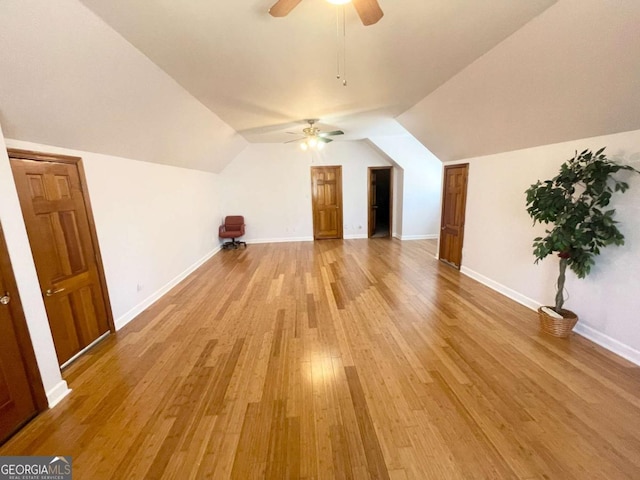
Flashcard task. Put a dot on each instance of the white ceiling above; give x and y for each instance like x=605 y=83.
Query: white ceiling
x=69 y=80
x=572 y=72
x=263 y=75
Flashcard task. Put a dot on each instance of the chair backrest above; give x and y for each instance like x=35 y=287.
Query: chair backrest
x=233 y=221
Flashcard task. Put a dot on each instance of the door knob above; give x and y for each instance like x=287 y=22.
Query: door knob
x=4 y=300
x=50 y=292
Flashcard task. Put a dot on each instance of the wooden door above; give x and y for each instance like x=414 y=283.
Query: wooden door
x=65 y=252
x=326 y=188
x=18 y=391
x=454 y=199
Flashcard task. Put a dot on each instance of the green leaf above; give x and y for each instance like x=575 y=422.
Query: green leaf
x=579 y=226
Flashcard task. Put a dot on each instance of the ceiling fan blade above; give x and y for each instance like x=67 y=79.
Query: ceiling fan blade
x=335 y=132
x=282 y=7
x=296 y=140
x=368 y=10
x=324 y=140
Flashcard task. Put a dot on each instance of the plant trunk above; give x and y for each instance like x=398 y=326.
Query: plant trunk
x=560 y=285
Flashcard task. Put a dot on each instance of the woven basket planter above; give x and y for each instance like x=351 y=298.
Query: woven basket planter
x=558 y=327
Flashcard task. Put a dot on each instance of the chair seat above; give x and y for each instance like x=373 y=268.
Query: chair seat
x=231 y=234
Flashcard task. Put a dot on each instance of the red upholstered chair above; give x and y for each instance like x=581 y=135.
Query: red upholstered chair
x=232 y=228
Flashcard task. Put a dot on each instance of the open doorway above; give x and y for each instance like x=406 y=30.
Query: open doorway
x=380 y=202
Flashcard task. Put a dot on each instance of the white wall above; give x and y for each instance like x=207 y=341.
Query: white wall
x=398 y=200
x=499 y=234
x=155 y=224
x=69 y=79
x=422 y=184
x=270 y=184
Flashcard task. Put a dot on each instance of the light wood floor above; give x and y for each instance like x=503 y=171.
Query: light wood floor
x=356 y=359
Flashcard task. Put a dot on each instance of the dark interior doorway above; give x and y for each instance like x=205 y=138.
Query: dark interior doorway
x=380 y=202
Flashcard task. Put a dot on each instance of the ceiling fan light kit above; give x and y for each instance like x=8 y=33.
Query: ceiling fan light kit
x=312 y=144
x=314 y=138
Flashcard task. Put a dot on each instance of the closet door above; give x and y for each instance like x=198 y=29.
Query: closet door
x=17 y=402
x=326 y=193
x=60 y=233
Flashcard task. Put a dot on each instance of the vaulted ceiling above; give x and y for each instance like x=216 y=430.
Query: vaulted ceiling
x=261 y=74
x=573 y=72
x=189 y=83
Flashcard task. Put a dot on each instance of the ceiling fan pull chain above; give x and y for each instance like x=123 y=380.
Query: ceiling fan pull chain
x=338 y=43
x=344 y=45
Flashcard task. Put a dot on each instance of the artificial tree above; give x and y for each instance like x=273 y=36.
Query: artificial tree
x=575 y=203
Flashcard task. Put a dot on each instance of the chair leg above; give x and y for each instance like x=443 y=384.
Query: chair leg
x=233 y=243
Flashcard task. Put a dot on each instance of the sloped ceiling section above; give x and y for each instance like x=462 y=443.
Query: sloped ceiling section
x=572 y=72
x=69 y=80
x=262 y=75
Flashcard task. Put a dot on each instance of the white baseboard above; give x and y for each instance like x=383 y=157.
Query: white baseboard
x=57 y=393
x=498 y=287
x=151 y=299
x=581 y=328
x=418 y=237
x=355 y=236
x=605 y=341
x=279 y=240
x=300 y=239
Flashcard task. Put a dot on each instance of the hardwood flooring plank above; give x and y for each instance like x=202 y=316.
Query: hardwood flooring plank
x=341 y=359
x=375 y=458
x=217 y=396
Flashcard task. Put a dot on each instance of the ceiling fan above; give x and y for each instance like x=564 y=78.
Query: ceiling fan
x=368 y=10
x=314 y=138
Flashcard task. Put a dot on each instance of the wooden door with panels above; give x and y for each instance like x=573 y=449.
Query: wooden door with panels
x=326 y=190
x=21 y=392
x=454 y=200
x=59 y=223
